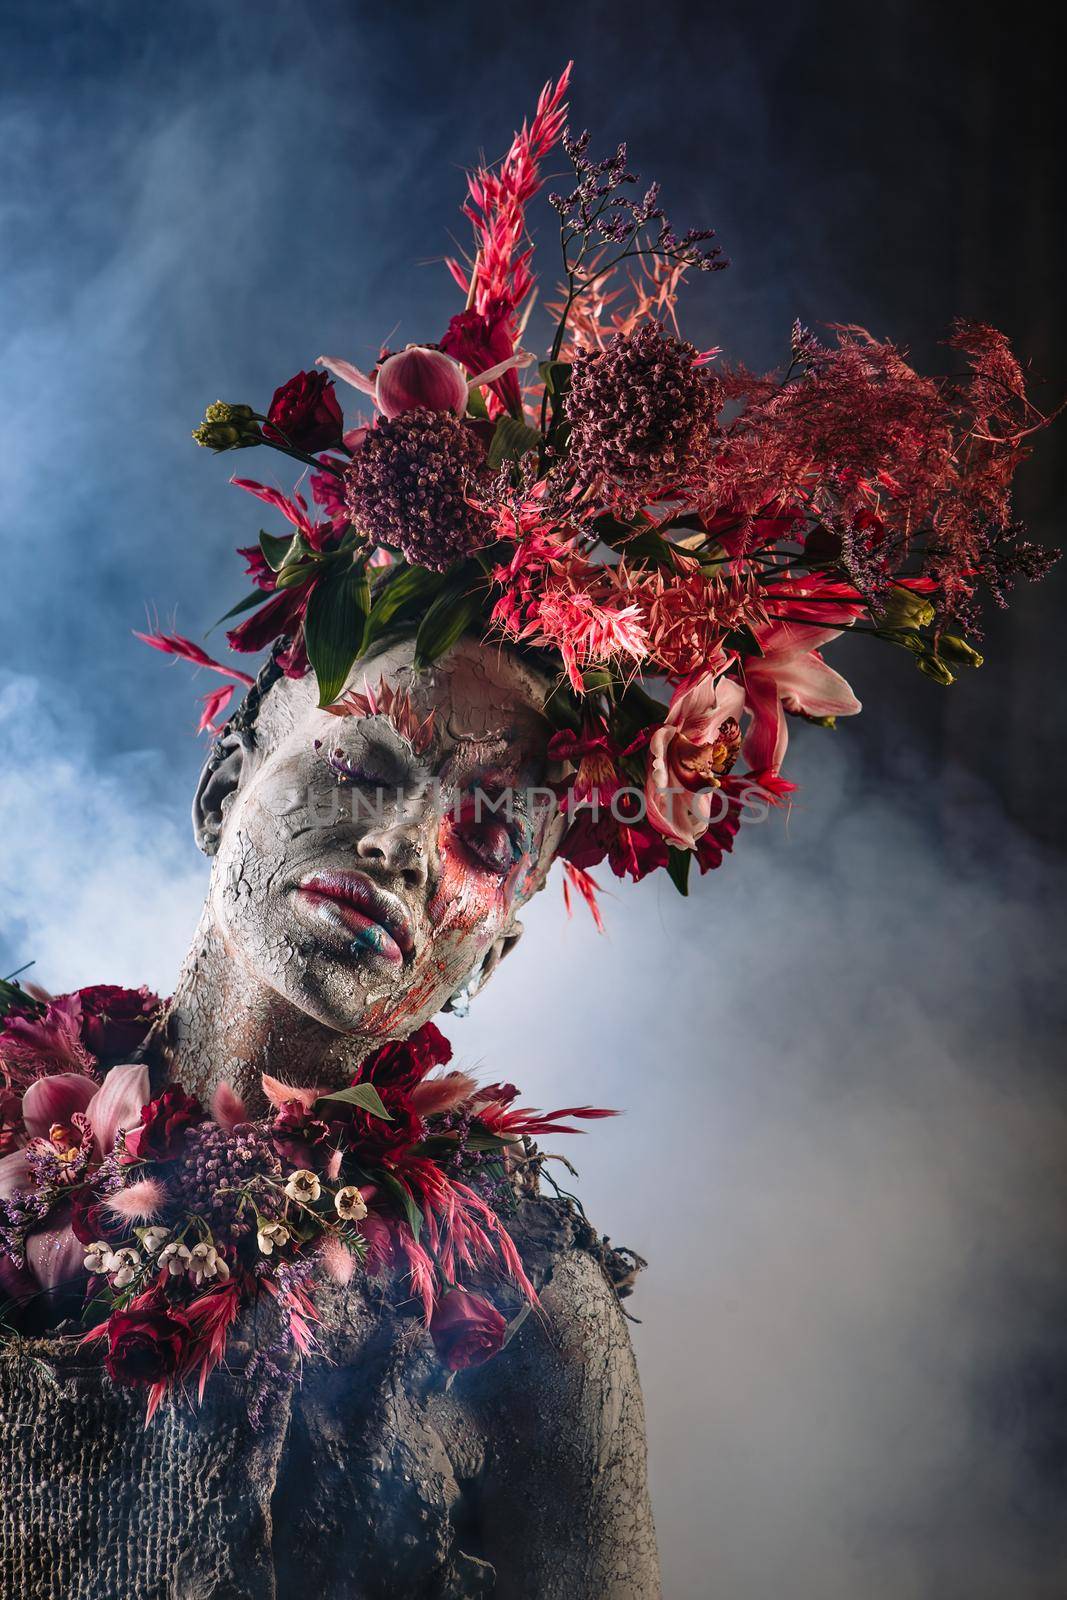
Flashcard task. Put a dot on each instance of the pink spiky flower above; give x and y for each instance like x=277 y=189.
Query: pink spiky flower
x=392 y=704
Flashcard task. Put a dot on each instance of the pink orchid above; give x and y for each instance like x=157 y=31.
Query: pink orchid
x=688 y=753
x=70 y=1104
x=790 y=676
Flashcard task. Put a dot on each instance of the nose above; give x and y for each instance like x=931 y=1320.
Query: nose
x=400 y=847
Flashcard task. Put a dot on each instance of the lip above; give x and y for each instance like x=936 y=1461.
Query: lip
x=377 y=920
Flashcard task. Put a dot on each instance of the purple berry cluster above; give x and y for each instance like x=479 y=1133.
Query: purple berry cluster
x=408 y=483
x=639 y=411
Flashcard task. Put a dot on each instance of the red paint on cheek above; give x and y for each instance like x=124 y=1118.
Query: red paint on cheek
x=465 y=897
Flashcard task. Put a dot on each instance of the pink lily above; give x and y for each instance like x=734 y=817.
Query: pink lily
x=790 y=676
x=53 y=1254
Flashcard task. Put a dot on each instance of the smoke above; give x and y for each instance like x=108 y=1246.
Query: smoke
x=843 y=1141
x=843 y=1155
x=99 y=879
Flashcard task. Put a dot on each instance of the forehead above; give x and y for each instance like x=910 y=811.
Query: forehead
x=482 y=703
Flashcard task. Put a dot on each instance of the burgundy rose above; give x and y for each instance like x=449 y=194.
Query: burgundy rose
x=466 y=1329
x=402 y=1063
x=90 y=1220
x=374 y=1139
x=305 y=414
x=164 y=1123
x=146 y=1344
x=116 y=1021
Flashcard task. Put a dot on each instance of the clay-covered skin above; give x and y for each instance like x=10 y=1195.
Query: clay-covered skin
x=316 y=809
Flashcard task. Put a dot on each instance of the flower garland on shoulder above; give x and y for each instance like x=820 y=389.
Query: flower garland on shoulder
x=681 y=536
x=159 y=1222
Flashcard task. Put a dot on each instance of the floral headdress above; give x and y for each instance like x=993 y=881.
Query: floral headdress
x=680 y=536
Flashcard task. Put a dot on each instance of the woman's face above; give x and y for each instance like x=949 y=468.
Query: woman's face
x=364 y=872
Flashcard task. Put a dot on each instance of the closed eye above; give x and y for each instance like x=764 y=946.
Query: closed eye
x=491 y=839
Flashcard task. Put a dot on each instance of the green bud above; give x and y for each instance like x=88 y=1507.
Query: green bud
x=906 y=637
x=958 y=651
x=227 y=427
x=933 y=667
x=903 y=609
x=820 y=722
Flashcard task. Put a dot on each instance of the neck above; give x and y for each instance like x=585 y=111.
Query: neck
x=226 y=1026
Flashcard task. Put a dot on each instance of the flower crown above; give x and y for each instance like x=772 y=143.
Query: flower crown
x=681 y=536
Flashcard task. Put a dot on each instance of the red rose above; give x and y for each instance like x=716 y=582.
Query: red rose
x=164 y=1123
x=466 y=1329
x=115 y=1021
x=373 y=1139
x=90 y=1221
x=402 y=1063
x=305 y=414
x=146 y=1344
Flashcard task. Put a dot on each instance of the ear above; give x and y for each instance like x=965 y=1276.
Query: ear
x=501 y=946
x=219 y=780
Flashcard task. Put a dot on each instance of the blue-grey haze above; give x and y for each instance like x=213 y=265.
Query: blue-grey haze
x=844 y=1144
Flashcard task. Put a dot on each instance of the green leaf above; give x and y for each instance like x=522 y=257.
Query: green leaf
x=335 y=627
x=678 y=864
x=363 y=1095
x=410 y=586
x=511 y=440
x=14 y=997
x=556 y=376
x=484 y=1140
x=451 y=614
x=275 y=549
x=403 y=1199
x=476 y=406
x=250 y=601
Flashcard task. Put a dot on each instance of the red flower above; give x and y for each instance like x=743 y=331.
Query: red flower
x=305 y=414
x=379 y=1237
x=374 y=1139
x=402 y=1063
x=163 y=1125
x=146 y=1344
x=304 y=1140
x=481 y=341
x=90 y=1220
x=115 y=1021
x=466 y=1329
x=633 y=848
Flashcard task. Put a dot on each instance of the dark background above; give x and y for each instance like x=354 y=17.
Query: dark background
x=842 y=1057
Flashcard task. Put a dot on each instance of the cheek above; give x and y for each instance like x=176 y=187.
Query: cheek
x=467 y=900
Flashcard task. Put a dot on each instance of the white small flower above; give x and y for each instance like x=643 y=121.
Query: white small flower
x=271 y=1234
x=204 y=1263
x=350 y=1204
x=304 y=1186
x=98 y=1257
x=175 y=1257
x=153 y=1239
x=122 y=1267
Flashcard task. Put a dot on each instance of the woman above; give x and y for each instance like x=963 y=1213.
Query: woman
x=338 y=917
x=596 y=602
